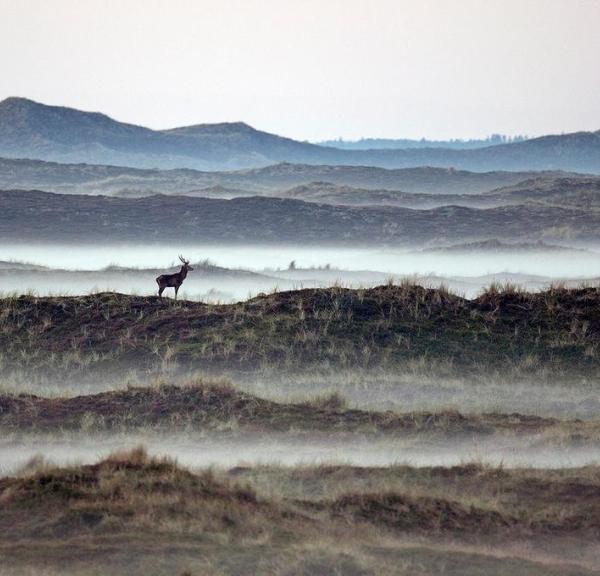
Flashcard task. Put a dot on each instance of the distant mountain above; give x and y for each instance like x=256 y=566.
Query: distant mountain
x=32 y=130
x=32 y=216
x=577 y=152
x=271 y=180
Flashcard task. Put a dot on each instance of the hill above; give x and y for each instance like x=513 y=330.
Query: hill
x=33 y=130
x=570 y=191
x=498 y=246
x=555 y=332
x=221 y=409
x=395 y=143
x=336 y=194
x=98 y=179
x=131 y=513
x=580 y=192
x=262 y=220
x=421 y=179
x=578 y=152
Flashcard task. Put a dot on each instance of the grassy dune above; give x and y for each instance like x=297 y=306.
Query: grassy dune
x=221 y=408
x=133 y=514
x=555 y=332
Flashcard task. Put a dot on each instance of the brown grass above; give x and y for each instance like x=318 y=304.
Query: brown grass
x=129 y=510
x=219 y=407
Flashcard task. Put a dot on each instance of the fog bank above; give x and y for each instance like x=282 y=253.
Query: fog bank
x=199 y=451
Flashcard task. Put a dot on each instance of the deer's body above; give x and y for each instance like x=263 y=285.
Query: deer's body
x=173 y=280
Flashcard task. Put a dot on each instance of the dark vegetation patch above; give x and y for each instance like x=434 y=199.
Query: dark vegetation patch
x=419 y=514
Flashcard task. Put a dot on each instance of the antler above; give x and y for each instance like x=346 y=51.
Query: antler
x=183 y=260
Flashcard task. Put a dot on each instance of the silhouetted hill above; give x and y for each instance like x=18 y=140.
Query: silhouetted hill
x=33 y=130
x=40 y=216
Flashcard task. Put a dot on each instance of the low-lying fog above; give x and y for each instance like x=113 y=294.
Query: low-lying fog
x=259 y=258
x=408 y=389
x=201 y=451
x=465 y=272
x=404 y=391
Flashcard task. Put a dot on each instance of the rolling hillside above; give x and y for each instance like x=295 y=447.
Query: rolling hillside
x=33 y=216
x=271 y=180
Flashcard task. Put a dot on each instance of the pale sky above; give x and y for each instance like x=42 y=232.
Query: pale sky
x=313 y=69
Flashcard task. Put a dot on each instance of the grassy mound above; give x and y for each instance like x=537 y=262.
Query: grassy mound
x=419 y=514
x=129 y=492
x=470 y=498
x=220 y=407
x=133 y=514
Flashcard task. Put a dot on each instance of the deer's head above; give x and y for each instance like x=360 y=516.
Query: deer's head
x=186 y=264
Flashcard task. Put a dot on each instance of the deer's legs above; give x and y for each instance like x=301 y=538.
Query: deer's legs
x=176 y=290
x=160 y=290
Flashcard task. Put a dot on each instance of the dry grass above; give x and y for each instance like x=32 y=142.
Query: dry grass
x=539 y=499
x=219 y=407
x=555 y=332
x=132 y=514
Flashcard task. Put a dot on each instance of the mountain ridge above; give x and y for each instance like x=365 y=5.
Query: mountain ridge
x=57 y=133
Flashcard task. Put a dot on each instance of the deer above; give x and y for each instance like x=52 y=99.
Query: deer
x=173 y=280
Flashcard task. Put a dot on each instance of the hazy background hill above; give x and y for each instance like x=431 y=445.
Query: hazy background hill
x=388 y=143
x=31 y=216
x=103 y=179
x=580 y=192
x=32 y=130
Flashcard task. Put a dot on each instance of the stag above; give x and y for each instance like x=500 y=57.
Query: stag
x=174 y=280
